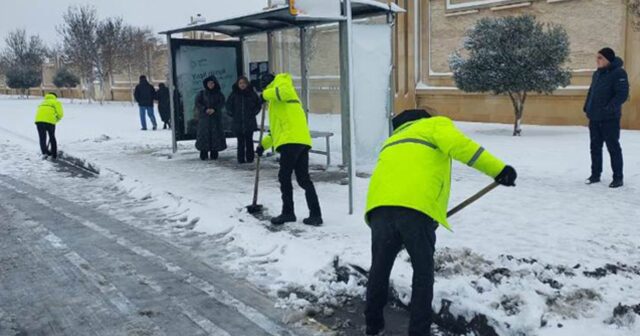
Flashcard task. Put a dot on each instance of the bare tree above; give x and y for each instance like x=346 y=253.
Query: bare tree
x=110 y=52
x=79 y=35
x=22 y=60
x=141 y=47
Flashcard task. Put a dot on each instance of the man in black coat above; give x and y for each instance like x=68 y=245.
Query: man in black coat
x=145 y=94
x=609 y=90
x=243 y=105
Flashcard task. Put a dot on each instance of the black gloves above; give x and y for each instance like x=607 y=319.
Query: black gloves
x=507 y=177
x=260 y=150
x=265 y=80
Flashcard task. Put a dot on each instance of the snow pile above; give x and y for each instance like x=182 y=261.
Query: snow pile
x=550 y=257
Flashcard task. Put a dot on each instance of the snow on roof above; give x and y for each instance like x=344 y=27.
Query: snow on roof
x=278 y=17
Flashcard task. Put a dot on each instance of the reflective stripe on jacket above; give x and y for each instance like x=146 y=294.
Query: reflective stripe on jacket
x=287 y=120
x=414 y=167
x=50 y=110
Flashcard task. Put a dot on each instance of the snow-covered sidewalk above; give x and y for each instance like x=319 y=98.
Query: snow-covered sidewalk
x=550 y=257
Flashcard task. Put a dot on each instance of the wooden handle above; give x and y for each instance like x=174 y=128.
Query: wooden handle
x=472 y=199
x=257 y=181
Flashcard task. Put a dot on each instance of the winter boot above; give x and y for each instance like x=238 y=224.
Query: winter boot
x=374 y=332
x=203 y=155
x=592 y=180
x=284 y=218
x=214 y=155
x=617 y=183
x=313 y=221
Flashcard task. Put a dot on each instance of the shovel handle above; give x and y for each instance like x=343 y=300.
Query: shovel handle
x=257 y=181
x=472 y=199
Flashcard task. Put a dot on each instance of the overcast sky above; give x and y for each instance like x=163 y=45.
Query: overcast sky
x=42 y=16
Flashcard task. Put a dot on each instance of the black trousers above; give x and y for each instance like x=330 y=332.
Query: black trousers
x=45 y=129
x=246 y=152
x=295 y=158
x=606 y=132
x=391 y=229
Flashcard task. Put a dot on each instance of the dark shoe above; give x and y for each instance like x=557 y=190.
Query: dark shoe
x=313 y=221
x=203 y=155
x=592 y=179
x=250 y=161
x=155 y=128
x=214 y=155
x=374 y=332
x=616 y=184
x=284 y=218
x=143 y=129
x=164 y=127
x=241 y=162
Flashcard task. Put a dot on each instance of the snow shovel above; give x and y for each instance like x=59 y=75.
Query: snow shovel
x=472 y=199
x=256 y=208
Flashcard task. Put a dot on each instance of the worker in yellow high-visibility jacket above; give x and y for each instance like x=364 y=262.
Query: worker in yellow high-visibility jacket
x=290 y=136
x=49 y=113
x=407 y=200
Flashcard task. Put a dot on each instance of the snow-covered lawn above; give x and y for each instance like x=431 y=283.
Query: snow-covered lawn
x=550 y=257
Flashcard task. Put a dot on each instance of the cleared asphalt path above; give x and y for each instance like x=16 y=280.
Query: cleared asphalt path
x=66 y=269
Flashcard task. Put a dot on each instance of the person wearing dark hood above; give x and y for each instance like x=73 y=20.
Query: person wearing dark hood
x=408 y=199
x=603 y=106
x=144 y=95
x=243 y=105
x=164 y=104
x=209 y=105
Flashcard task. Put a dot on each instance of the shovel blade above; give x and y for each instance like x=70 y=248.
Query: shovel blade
x=254 y=208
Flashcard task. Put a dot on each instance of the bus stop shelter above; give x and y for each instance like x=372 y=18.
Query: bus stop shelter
x=285 y=17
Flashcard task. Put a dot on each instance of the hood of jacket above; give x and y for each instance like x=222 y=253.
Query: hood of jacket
x=283 y=79
x=215 y=80
x=617 y=63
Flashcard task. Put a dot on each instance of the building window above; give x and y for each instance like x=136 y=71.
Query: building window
x=458 y=5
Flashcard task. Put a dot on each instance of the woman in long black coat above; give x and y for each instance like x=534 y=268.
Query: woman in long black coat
x=164 y=105
x=243 y=105
x=209 y=105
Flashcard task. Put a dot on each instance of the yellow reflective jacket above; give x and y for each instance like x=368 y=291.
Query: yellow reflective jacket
x=414 y=167
x=287 y=120
x=50 y=110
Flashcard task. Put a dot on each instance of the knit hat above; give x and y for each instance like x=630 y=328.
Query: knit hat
x=408 y=116
x=608 y=53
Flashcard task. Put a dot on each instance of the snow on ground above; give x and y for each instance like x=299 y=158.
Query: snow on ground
x=549 y=257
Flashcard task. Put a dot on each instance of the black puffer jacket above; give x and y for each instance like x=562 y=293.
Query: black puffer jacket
x=243 y=106
x=609 y=90
x=144 y=93
x=210 y=135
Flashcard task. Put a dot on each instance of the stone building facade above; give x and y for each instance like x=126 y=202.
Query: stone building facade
x=432 y=29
